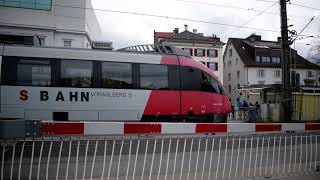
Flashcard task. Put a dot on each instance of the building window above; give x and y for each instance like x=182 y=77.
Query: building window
x=229 y=63
x=67 y=43
x=237 y=61
x=153 y=76
x=238 y=85
x=277 y=73
x=229 y=88
x=258 y=58
x=265 y=59
x=116 y=75
x=213 y=66
x=238 y=75
x=212 y=53
x=309 y=74
x=230 y=52
x=28 y=4
x=260 y=73
x=275 y=60
x=188 y=50
x=229 y=76
x=200 y=52
x=76 y=73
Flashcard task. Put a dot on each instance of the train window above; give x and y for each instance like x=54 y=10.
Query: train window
x=76 y=73
x=116 y=75
x=153 y=76
x=209 y=84
x=34 y=72
x=190 y=79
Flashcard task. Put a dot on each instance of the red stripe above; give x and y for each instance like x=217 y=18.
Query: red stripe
x=139 y=128
x=211 y=128
x=310 y=127
x=268 y=127
x=62 y=128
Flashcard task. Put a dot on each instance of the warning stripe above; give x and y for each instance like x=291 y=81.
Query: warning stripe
x=311 y=127
x=268 y=127
x=120 y=128
x=140 y=128
x=67 y=128
x=211 y=128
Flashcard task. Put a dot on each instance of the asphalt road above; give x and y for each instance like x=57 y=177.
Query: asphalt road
x=186 y=157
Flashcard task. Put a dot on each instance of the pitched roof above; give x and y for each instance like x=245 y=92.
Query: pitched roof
x=187 y=36
x=244 y=53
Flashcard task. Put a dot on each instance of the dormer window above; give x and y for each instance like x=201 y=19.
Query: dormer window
x=258 y=58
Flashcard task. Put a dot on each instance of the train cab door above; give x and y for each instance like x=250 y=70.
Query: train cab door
x=164 y=102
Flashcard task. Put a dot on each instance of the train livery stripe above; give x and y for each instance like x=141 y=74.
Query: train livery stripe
x=68 y=128
x=211 y=128
x=121 y=128
x=140 y=128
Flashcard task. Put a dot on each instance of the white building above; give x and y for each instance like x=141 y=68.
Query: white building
x=62 y=23
x=253 y=64
x=206 y=49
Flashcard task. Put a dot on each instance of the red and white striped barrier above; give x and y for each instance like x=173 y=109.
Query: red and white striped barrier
x=123 y=128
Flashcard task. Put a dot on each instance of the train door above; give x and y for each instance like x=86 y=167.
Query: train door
x=164 y=82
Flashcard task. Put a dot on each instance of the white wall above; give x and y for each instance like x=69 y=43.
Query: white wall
x=233 y=69
x=77 y=24
x=269 y=77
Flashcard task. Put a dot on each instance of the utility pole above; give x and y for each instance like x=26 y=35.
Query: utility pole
x=286 y=110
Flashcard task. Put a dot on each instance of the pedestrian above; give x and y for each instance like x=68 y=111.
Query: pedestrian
x=232 y=109
x=239 y=108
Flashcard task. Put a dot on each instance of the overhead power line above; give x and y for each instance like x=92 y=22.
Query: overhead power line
x=238 y=7
x=168 y=17
x=250 y=20
x=294 y=4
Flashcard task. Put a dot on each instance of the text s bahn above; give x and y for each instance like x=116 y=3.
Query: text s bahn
x=140 y=83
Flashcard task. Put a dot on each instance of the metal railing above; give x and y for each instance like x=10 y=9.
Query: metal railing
x=190 y=157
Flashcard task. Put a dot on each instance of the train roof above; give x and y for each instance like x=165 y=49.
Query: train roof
x=138 y=54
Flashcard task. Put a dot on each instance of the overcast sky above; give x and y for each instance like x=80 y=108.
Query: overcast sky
x=128 y=29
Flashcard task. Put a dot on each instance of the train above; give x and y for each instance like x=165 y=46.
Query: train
x=139 y=83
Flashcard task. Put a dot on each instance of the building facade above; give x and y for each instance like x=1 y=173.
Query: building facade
x=61 y=23
x=205 y=49
x=252 y=64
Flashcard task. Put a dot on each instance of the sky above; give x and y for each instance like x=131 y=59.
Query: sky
x=127 y=25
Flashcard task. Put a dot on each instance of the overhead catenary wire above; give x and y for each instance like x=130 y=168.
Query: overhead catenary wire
x=166 y=17
x=250 y=20
x=237 y=7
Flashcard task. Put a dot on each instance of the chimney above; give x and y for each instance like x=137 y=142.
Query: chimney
x=194 y=31
x=279 y=39
x=176 y=30
x=186 y=27
x=253 y=37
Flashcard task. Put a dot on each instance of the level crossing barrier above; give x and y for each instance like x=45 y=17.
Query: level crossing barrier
x=145 y=151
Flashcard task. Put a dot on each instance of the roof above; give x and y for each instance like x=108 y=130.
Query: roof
x=245 y=53
x=187 y=36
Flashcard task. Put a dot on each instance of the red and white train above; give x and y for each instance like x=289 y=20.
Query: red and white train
x=141 y=83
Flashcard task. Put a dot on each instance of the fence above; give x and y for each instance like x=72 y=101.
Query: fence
x=163 y=151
